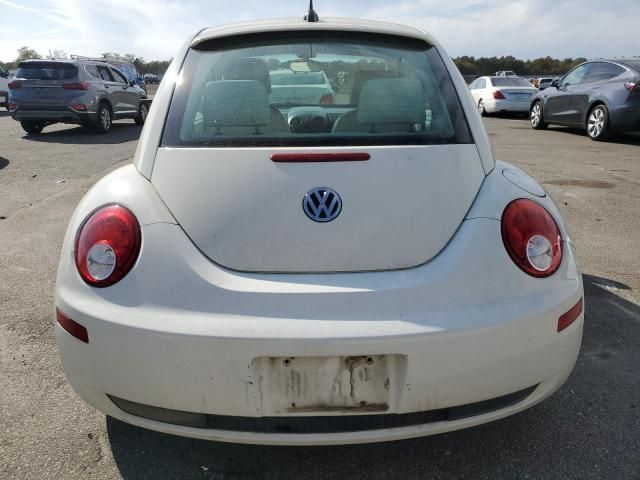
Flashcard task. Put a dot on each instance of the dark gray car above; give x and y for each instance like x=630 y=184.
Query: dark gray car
x=601 y=96
x=86 y=92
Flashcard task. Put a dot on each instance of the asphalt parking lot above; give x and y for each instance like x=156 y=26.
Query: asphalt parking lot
x=589 y=429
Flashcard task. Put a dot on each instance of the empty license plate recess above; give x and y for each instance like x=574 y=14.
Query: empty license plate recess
x=326 y=384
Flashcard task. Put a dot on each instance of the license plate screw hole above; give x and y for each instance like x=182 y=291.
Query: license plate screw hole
x=369 y=360
x=363 y=404
x=293 y=405
x=286 y=362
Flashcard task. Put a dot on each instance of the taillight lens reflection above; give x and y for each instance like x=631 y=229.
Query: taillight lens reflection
x=631 y=86
x=531 y=237
x=76 y=86
x=327 y=99
x=107 y=246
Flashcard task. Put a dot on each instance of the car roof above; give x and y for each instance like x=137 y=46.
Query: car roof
x=47 y=60
x=331 y=23
x=66 y=60
x=627 y=62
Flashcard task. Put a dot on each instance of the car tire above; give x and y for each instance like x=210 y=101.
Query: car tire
x=143 y=111
x=32 y=127
x=536 y=116
x=598 y=127
x=105 y=118
x=481 y=110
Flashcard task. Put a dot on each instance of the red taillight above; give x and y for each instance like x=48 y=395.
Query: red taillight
x=107 y=246
x=15 y=85
x=631 y=86
x=73 y=328
x=532 y=237
x=568 y=318
x=327 y=99
x=497 y=95
x=81 y=107
x=12 y=106
x=76 y=86
x=319 y=157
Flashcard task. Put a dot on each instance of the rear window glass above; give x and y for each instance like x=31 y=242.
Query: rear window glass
x=635 y=64
x=128 y=69
x=46 y=71
x=314 y=89
x=92 y=70
x=510 y=82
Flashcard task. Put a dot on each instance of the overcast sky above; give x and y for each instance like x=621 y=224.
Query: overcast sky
x=156 y=28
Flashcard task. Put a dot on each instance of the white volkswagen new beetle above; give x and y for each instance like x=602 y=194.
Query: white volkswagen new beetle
x=290 y=273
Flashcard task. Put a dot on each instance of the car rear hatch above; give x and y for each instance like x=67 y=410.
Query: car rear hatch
x=517 y=94
x=515 y=89
x=46 y=83
x=245 y=212
x=402 y=162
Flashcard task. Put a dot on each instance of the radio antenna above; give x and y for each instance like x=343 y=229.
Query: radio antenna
x=311 y=15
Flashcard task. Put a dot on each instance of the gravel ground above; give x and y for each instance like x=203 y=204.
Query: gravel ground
x=589 y=429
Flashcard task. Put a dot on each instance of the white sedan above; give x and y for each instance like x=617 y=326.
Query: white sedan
x=374 y=276
x=502 y=94
x=290 y=88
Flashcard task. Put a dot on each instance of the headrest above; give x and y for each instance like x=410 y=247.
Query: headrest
x=248 y=69
x=362 y=76
x=236 y=103
x=392 y=100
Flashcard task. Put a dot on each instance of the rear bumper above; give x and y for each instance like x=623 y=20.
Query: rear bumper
x=184 y=334
x=371 y=435
x=626 y=118
x=494 y=106
x=52 y=114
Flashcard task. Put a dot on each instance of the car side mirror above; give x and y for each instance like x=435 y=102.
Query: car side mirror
x=555 y=83
x=132 y=83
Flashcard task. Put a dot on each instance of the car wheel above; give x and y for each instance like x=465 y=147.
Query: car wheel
x=32 y=127
x=481 y=108
x=536 y=117
x=598 y=127
x=104 y=118
x=142 y=114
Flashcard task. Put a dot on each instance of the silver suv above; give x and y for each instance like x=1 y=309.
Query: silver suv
x=85 y=92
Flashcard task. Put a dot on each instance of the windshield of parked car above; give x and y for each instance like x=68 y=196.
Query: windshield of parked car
x=510 y=82
x=307 y=88
x=46 y=71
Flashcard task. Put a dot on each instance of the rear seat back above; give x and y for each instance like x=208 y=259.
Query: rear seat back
x=236 y=104
x=386 y=105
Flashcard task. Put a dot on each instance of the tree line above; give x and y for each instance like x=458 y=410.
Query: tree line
x=157 y=67
x=466 y=64
x=538 y=66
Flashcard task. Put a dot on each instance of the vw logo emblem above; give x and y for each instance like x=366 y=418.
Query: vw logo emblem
x=322 y=204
